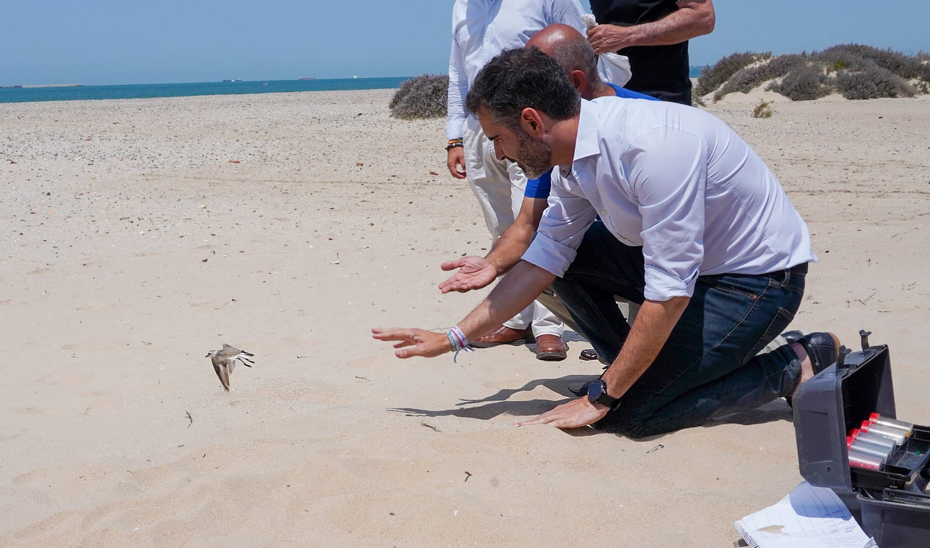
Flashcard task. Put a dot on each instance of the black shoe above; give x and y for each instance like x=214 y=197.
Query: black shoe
x=823 y=349
x=792 y=337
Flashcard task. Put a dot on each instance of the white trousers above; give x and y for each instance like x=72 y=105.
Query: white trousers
x=499 y=188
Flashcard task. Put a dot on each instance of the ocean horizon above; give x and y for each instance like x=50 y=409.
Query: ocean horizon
x=81 y=92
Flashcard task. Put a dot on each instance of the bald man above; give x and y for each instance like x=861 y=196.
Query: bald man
x=575 y=55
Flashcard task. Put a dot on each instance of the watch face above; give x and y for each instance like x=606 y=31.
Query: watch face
x=595 y=390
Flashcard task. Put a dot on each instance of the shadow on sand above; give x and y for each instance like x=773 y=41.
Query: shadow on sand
x=499 y=403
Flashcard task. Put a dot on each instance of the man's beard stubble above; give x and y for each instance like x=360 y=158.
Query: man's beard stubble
x=535 y=156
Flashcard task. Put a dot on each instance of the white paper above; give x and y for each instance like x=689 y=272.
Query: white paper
x=809 y=517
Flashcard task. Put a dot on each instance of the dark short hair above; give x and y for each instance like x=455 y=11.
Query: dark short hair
x=523 y=78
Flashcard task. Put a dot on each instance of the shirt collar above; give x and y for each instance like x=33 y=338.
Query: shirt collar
x=586 y=142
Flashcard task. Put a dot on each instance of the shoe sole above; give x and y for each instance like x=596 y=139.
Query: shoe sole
x=551 y=356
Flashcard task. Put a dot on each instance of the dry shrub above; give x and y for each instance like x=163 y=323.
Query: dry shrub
x=895 y=62
x=805 y=83
x=872 y=83
x=763 y=110
x=749 y=78
x=713 y=77
x=422 y=97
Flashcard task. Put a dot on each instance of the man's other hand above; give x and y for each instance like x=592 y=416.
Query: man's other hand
x=474 y=273
x=574 y=414
x=424 y=343
x=608 y=38
x=456 y=162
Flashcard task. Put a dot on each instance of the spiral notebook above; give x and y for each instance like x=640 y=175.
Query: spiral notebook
x=809 y=517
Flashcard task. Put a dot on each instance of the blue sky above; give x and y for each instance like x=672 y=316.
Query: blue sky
x=130 y=41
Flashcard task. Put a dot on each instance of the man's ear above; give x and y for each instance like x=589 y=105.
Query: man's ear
x=532 y=122
x=578 y=80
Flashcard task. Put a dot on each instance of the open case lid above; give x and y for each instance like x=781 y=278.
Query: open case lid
x=834 y=402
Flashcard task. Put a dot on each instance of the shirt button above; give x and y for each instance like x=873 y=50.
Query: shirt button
x=603 y=212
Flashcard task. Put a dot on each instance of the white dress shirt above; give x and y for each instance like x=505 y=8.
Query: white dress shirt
x=482 y=29
x=678 y=182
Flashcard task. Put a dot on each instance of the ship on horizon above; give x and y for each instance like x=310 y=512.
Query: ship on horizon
x=307 y=78
x=233 y=80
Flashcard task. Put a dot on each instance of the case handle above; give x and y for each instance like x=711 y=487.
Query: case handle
x=864 y=337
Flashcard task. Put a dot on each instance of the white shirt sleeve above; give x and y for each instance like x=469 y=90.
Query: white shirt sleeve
x=667 y=171
x=567 y=12
x=560 y=231
x=458 y=89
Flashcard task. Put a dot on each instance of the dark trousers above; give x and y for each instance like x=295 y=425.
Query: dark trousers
x=708 y=367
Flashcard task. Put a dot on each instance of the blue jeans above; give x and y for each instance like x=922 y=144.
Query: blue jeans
x=708 y=367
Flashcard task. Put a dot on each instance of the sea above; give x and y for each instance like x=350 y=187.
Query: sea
x=144 y=91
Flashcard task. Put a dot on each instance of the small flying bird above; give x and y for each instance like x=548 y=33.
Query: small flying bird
x=224 y=361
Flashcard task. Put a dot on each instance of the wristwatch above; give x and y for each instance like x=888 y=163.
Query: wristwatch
x=597 y=393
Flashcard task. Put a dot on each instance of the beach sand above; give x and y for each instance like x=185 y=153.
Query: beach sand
x=137 y=235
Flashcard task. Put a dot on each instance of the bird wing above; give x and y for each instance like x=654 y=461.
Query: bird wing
x=220 y=369
x=231 y=364
x=228 y=350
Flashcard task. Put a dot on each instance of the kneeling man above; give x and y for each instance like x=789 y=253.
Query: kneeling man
x=694 y=226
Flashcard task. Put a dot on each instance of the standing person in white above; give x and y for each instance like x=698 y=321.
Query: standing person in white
x=480 y=30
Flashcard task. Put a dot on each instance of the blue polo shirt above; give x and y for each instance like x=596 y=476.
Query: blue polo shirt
x=539 y=188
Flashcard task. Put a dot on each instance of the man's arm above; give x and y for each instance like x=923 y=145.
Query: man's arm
x=653 y=325
x=455 y=111
x=514 y=293
x=692 y=19
x=476 y=272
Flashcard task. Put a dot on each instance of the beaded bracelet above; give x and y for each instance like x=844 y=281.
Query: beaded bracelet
x=455 y=143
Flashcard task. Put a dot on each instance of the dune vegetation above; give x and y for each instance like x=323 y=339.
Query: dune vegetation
x=854 y=71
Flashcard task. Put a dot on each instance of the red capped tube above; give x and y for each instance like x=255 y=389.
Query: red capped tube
x=859 y=459
x=899 y=436
x=864 y=446
x=875 y=418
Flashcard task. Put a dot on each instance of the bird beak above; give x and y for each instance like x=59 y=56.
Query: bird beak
x=208 y=355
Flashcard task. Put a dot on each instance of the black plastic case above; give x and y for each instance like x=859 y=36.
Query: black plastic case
x=890 y=504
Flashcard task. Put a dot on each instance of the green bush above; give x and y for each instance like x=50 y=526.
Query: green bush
x=713 y=77
x=872 y=83
x=751 y=77
x=805 y=83
x=422 y=97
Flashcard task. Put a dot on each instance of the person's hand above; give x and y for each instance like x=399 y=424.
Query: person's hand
x=456 y=162
x=608 y=38
x=424 y=343
x=474 y=273
x=574 y=414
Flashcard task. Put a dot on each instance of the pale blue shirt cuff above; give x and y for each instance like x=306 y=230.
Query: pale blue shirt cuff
x=662 y=286
x=550 y=255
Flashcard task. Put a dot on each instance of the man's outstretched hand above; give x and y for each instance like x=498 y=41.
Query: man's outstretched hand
x=574 y=414
x=474 y=273
x=414 y=342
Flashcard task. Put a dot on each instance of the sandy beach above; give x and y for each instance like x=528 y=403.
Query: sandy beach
x=137 y=235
